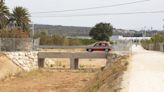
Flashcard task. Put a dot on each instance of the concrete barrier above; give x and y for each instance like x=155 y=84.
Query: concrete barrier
x=74 y=57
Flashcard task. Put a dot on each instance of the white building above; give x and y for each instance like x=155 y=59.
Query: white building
x=120 y=37
x=79 y=37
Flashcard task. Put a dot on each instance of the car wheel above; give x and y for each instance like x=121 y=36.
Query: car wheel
x=106 y=50
x=89 y=50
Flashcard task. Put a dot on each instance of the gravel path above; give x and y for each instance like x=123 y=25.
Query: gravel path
x=145 y=72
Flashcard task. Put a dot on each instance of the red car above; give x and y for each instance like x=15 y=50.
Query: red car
x=100 y=46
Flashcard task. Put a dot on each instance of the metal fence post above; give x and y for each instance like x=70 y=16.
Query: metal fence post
x=0 y=44
x=163 y=47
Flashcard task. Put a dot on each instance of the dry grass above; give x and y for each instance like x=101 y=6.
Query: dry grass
x=109 y=79
x=64 y=80
x=47 y=81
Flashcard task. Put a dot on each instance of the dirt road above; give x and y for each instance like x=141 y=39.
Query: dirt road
x=145 y=72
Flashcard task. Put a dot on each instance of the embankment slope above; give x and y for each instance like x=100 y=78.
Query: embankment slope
x=109 y=79
x=7 y=67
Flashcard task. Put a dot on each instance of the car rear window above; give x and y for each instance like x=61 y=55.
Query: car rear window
x=101 y=45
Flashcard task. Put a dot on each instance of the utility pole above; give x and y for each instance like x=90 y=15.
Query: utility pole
x=151 y=28
x=32 y=34
x=33 y=29
x=163 y=26
x=144 y=31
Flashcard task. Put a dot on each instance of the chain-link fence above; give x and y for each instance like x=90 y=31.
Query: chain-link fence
x=162 y=47
x=122 y=46
x=158 y=46
x=18 y=44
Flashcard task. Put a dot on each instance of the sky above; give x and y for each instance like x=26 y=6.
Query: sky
x=131 y=21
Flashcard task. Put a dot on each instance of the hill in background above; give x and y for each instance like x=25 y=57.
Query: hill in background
x=62 y=30
x=84 y=31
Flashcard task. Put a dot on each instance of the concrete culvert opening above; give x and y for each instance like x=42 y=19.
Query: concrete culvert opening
x=64 y=63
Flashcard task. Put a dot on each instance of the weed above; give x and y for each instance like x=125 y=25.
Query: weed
x=108 y=76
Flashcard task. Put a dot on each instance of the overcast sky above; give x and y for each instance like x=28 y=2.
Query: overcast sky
x=137 y=22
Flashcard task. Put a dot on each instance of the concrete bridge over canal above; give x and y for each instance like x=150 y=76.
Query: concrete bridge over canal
x=74 y=57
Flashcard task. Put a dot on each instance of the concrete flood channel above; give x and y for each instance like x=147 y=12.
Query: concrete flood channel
x=115 y=65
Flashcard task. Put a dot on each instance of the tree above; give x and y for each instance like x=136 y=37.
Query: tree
x=4 y=14
x=2 y=1
x=101 y=31
x=155 y=41
x=21 y=17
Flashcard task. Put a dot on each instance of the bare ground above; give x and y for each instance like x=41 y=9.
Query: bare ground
x=47 y=81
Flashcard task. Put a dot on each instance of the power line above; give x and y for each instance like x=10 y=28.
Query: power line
x=103 y=14
x=91 y=8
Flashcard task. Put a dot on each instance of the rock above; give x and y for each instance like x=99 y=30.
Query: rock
x=26 y=60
